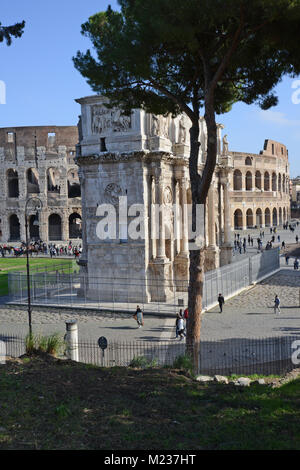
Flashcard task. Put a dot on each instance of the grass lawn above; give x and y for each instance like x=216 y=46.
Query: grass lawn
x=50 y=404
x=36 y=264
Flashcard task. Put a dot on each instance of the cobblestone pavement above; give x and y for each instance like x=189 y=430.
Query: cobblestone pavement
x=249 y=314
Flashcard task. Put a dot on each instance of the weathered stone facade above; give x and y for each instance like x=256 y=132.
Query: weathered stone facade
x=260 y=187
x=145 y=159
x=39 y=162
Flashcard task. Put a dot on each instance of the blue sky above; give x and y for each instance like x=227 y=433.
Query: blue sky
x=41 y=82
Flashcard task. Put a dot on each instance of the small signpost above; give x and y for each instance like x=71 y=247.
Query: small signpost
x=102 y=343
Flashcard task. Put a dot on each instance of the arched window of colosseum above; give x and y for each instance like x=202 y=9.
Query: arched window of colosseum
x=34 y=229
x=284 y=215
x=249 y=218
x=238 y=219
x=267 y=217
x=259 y=220
x=12 y=183
x=14 y=228
x=280 y=216
x=75 y=227
x=73 y=184
x=283 y=183
x=53 y=180
x=248 y=181
x=248 y=161
x=54 y=227
x=275 y=216
x=279 y=182
x=33 y=181
x=258 y=180
x=267 y=181
x=274 y=182
x=237 y=180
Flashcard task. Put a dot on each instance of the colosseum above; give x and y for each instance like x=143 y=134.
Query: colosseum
x=39 y=162
x=259 y=195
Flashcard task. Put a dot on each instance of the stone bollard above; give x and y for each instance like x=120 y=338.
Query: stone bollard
x=71 y=339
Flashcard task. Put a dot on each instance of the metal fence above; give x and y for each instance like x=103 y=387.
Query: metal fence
x=68 y=289
x=241 y=356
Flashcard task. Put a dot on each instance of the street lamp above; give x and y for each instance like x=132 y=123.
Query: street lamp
x=37 y=203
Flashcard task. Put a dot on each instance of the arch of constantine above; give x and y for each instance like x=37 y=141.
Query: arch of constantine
x=144 y=158
x=39 y=162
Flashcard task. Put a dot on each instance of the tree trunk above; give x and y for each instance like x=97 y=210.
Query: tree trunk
x=196 y=271
x=200 y=186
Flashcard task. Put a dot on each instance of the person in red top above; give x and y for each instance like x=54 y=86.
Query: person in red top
x=186 y=314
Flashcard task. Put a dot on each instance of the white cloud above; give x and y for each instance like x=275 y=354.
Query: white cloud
x=279 y=118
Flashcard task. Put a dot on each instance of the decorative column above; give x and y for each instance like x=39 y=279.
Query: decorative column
x=152 y=200
x=212 y=251
x=160 y=285
x=161 y=251
x=181 y=262
x=184 y=251
x=226 y=249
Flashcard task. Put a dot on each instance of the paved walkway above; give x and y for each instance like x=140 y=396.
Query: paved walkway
x=249 y=314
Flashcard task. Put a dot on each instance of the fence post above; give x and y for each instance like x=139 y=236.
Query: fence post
x=250 y=271
x=71 y=339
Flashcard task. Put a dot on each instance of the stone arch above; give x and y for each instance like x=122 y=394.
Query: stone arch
x=53 y=180
x=279 y=183
x=32 y=177
x=12 y=183
x=14 y=228
x=266 y=181
x=267 y=217
x=248 y=181
x=259 y=218
x=258 y=180
x=237 y=180
x=54 y=227
x=274 y=182
x=249 y=218
x=75 y=225
x=73 y=184
x=275 y=222
x=283 y=183
x=248 y=161
x=284 y=215
x=280 y=216
x=34 y=229
x=238 y=219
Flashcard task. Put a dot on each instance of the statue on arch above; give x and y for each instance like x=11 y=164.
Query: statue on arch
x=225 y=145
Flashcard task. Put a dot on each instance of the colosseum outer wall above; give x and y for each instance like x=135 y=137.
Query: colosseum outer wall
x=39 y=162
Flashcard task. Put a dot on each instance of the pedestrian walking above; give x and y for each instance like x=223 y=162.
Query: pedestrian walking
x=176 y=323
x=138 y=316
x=277 y=304
x=297 y=238
x=296 y=264
x=221 y=302
x=287 y=259
x=180 y=326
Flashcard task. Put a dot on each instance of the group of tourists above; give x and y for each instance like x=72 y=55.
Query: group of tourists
x=41 y=248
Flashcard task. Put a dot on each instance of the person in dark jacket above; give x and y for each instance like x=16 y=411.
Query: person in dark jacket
x=221 y=302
